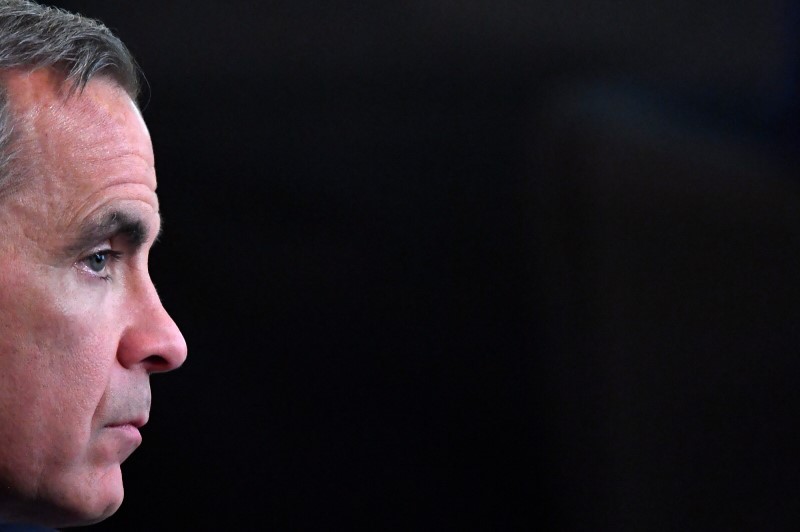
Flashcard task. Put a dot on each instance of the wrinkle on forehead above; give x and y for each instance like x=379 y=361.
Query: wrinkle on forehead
x=46 y=113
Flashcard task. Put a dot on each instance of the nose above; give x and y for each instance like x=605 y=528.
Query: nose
x=151 y=339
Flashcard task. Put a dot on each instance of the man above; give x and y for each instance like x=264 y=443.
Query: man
x=81 y=325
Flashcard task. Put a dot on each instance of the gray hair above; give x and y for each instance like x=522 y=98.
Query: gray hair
x=33 y=37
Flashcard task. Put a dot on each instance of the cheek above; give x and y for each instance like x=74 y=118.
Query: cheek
x=78 y=352
x=56 y=358
x=57 y=352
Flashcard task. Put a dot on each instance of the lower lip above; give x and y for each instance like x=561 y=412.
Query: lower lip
x=122 y=440
x=126 y=431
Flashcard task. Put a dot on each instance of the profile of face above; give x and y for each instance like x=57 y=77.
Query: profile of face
x=81 y=325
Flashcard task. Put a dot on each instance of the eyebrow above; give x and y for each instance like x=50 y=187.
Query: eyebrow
x=108 y=226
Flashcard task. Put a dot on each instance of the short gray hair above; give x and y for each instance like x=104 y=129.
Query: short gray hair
x=33 y=36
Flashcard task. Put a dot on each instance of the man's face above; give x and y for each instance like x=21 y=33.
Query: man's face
x=81 y=325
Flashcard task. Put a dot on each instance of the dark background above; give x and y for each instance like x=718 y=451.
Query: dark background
x=472 y=265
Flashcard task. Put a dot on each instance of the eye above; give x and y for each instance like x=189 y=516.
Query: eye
x=97 y=261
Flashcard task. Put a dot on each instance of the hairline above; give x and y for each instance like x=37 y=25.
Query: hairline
x=12 y=173
x=79 y=50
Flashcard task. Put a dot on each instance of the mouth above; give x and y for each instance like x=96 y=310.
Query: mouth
x=134 y=422
x=126 y=435
x=119 y=436
x=128 y=429
x=121 y=439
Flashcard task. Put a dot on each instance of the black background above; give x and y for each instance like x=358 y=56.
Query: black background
x=471 y=265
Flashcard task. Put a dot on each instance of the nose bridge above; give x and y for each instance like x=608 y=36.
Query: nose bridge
x=152 y=338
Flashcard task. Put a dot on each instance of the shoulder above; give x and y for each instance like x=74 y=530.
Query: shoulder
x=24 y=528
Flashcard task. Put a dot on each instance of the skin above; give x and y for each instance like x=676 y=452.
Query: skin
x=80 y=331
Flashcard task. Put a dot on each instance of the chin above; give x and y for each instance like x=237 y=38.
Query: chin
x=83 y=504
x=101 y=500
x=93 y=516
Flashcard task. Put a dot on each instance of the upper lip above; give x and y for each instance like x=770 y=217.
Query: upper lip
x=138 y=422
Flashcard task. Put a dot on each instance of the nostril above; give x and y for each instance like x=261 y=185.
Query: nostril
x=157 y=364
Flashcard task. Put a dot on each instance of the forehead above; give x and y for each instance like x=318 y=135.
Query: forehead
x=89 y=126
x=85 y=147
